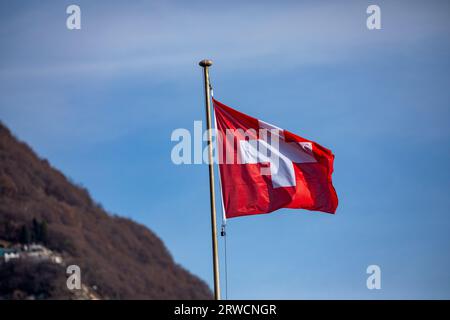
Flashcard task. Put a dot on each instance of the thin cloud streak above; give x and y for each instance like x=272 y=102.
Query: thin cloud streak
x=136 y=40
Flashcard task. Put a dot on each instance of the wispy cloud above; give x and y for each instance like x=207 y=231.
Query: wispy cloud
x=143 y=37
x=49 y=72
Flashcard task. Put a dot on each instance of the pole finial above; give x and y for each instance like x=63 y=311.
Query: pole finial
x=205 y=63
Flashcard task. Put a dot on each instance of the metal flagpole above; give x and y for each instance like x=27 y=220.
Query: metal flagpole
x=205 y=64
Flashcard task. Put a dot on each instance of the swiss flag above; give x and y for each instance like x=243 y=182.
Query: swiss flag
x=260 y=176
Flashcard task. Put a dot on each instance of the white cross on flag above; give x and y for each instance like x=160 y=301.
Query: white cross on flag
x=264 y=168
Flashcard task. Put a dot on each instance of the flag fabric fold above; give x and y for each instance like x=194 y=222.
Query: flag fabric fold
x=264 y=168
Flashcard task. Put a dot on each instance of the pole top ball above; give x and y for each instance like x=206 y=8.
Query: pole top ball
x=205 y=63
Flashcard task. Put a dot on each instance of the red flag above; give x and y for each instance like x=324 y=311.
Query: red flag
x=262 y=171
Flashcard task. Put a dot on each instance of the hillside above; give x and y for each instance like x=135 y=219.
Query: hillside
x=119 y=258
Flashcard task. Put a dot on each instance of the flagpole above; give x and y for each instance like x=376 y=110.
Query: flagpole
x=205 y=64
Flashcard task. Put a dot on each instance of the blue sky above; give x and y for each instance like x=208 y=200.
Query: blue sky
x=101 y=102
